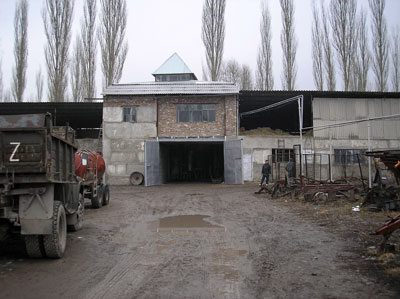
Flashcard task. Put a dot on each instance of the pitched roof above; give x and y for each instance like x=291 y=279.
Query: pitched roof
x=173 y=88
x=173 y=65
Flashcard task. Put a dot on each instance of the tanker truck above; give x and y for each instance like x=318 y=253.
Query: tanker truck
x=39 y=191
x=89 y=168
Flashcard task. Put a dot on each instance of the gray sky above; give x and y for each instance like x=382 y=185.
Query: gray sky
x=158 y=28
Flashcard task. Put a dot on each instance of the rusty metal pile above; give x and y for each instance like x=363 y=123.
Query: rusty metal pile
x=317 y=191
x=385 y=193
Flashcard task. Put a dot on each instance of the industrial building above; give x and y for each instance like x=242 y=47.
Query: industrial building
x=175 y=129
x=179 y=129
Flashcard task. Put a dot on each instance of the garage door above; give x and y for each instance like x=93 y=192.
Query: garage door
x=152 y=163
x=233 y=170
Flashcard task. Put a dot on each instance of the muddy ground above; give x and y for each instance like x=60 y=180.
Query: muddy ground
x=209 y=241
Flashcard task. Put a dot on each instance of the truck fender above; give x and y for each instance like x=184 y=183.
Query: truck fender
x=36 y=210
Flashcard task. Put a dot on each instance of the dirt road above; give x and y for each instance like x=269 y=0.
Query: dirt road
x=192 y=241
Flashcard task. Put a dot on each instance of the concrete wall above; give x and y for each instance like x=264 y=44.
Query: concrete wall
x=257 y=149
x=123 y=142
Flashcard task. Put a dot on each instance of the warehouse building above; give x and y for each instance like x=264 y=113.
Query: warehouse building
x=175 y=129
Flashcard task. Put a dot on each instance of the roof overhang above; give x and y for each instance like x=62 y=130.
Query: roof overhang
x=173 y=88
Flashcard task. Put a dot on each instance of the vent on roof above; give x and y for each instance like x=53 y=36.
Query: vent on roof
x=174 y=69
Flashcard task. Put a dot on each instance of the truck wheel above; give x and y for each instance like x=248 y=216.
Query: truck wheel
x=34 y=246
x=54 y=244
x=106 y=195
x=97 y=201
x=79 y=214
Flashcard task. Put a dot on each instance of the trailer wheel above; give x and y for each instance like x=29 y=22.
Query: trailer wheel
x=34 y=246
x=106 y=195
x=79 y=214
x=54 y=244
x=97 y=201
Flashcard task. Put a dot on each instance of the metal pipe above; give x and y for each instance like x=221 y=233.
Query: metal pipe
x=330 y=157
x=369 y=157
x=300 y=105
x=349 y=122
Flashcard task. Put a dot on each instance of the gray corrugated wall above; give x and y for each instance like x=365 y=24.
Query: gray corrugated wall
x=328 y=111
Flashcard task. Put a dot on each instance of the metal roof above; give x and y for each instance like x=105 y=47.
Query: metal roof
x=173 y=88
x=173 y=65
x=77 y=115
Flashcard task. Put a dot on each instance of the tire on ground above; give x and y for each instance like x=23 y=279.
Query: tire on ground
x=97 y=201
x=54 y=244
x=106 y=194
x=34 y=246
x=79 y=214
x=136 y=178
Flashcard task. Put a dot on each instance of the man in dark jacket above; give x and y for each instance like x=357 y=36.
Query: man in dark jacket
x=266 y=171
x=290 y=169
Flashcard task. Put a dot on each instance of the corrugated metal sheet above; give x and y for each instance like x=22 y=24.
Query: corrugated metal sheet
x=173 y=88
x=332 y=110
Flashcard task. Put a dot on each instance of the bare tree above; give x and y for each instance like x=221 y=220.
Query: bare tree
x=380 y=44
x=264 y=76
x=289 y=45
x=39 y=85
x=329 y=64
x=111 y=34
x=89 y=49
x=317 y=50
x=362 y=55
x=343 y=22
x=76 y=72
x=57 y=19
x=396 y=59
x=246 y=80
x=231 y=72
x=213 y=36
x=20 y=50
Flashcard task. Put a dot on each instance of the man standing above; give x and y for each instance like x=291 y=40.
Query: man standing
x=290 y=169
x=266 y=171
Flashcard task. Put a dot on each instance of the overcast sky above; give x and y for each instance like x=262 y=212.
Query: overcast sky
x=158 y=28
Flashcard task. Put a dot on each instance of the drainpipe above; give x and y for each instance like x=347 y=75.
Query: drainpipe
x=237 y=116
x=330 y=157
x=369 y=158
x=300 y=105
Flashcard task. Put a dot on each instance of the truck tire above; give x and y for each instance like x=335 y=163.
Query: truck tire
x=97 y=201
x=54 y=244
x=106 y=195
x=79 y=214
x=34 y=246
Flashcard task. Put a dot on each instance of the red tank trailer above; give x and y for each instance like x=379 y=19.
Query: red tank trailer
x=87 y=163
x=90 y=167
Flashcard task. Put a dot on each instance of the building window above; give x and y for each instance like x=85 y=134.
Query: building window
x=174 y=77
x=349 y=156
x=282 y=155
x=129 y=114
x=195 y=113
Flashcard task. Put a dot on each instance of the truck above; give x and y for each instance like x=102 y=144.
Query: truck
x=40 y=194
x=89 y=168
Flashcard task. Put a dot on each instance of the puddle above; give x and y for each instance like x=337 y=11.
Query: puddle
x=187 y=223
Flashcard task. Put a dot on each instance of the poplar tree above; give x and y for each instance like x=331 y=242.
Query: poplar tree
x=213 y=36
x=20 y=50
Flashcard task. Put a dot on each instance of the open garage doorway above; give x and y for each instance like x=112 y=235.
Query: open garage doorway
x=192 y=162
